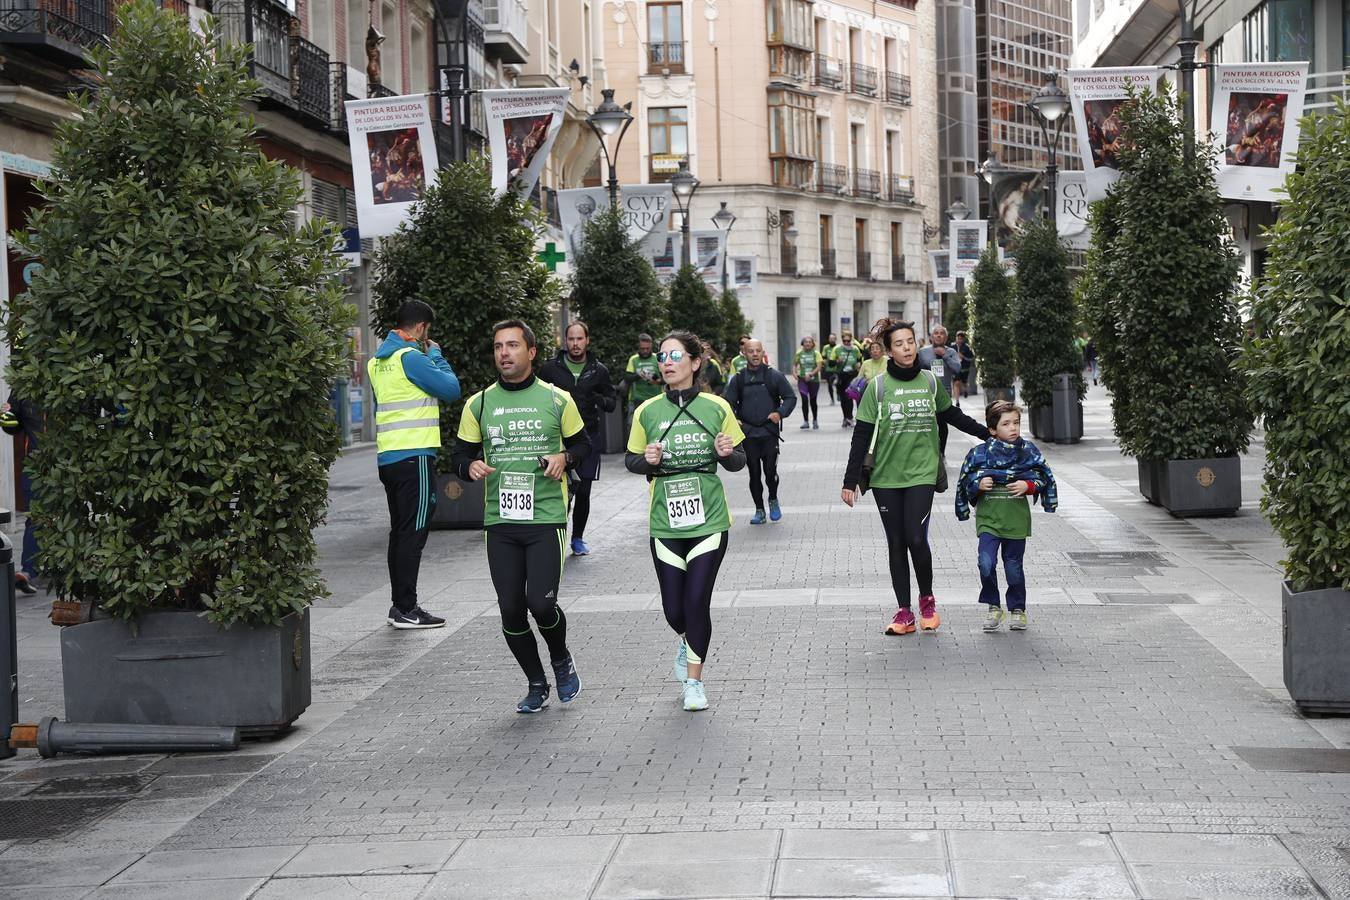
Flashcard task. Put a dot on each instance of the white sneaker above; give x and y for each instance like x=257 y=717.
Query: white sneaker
x=993 y=619
x=695 y=698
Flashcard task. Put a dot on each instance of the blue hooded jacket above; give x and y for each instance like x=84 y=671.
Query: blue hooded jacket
x=430 y=372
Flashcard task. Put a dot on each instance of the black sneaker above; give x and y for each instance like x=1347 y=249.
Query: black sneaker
x=569 y=685
x=536 y=699
x=418 y=618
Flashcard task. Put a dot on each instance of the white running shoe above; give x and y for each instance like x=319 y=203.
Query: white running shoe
x=695 y=697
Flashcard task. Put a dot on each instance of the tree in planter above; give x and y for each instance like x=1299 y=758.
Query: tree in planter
x=989 y=299
x=182 y=339
x=734 y=324
x=692 y=305
x=1173 y=272
x=1298 y=362
x=1043 y=314
x=616 y=292
x=1097 y=299
x=469 y=254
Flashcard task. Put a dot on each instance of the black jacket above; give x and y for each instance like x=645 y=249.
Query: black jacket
x=754 y=393
x=592 y=390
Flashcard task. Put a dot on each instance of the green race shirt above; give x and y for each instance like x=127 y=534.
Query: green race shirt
x=1000 y=513
x=848 y=358
x=738 y=363
x=648 y=384
x=515 y=429
x=827 y=352
x=905 y=416
x=807 y=361
x=576 y=368
x=689 y=504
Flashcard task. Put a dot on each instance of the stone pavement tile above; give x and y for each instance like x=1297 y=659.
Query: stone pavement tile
x=91 y=870
x=611 y=602
x=1035 y=879
x=881 y=877
x=560 y=850
x=1211 y=881
x=1054 y=846
x=184 y=865
x=378 y=858
x=214 y=889
x=1326 y=859
x=836 y=597
x=374 y=887
x=554 y=882
x=846 y=843
x=56 y=893
x=691 y=878
x=780 y=597
x=705 y=845
x=1234 y=849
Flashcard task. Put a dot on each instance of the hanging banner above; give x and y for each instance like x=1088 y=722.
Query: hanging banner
x=967 y=242
x=645 y=208
x=1072 y=211
x=1097 y=95
x=943 y=280
x=1255 y=120
x=393 y=151
x=576 y=208
x=522 y=125
x=707 y=248
x=744 y=276
x=664 y=251
x=1017 y=198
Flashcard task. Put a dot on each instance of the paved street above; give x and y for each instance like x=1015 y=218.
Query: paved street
x=1136 y=742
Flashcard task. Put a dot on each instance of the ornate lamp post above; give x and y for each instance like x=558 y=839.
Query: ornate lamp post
x=609 y=119
x=723 y=219
x=1050 y=105
x=683 y=184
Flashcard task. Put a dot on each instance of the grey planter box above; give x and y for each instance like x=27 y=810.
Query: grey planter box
x=170 y=667
x=1317 y=650
x=1200 y=487
x=1148 y=479
x=1059 y=426
x=459 y=503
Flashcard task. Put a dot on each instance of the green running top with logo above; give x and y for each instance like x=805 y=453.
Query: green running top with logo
x=906 y=451
x=689 y=503
x=515 y=429
x=807 y=362
x=1000 y=513
x=648 y=383
x=848 y=358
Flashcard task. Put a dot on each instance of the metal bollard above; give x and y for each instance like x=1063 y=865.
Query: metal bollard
x=9 y=642
x=51 y=737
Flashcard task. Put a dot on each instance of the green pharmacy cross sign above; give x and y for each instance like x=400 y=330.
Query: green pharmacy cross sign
x=551 y=256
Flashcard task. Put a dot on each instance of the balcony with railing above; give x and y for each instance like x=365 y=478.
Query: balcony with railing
x=377 y=90
x=829 y=72
x=897 y=268
x=311 y=84
x=898 y=88
x=61 y=30
x=787 y=254
x=338 y=96
x=506 y=30
x=265 y=25
x=829 y=264
x=862 y=79
x=863 y=261
x=866 y=183
x=831 y=179
x=665 y=57
x=900 y=188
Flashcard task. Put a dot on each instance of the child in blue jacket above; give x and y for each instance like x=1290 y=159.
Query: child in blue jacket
x=999 y=477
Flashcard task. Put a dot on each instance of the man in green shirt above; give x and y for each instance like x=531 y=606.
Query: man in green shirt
x=848 y=358
x=642 y=376
x=520 y=435
x=831 y=366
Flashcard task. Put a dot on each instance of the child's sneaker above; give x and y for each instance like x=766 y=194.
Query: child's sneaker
x=903 y=623
x=929 y=620
x=1019 y=620
x=993 y=620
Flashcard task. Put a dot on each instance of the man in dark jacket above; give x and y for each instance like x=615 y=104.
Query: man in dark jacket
x=578 y=371
x=22 y=419
x=761 y=397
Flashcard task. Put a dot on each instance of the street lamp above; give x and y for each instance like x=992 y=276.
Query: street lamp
x=958 y=211
x=683 y=184
x=989 y=170
x=723 y=219
x=1050 y=105
x=609 y=119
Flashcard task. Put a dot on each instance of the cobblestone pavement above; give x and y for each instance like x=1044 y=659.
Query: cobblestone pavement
x=1110 y=751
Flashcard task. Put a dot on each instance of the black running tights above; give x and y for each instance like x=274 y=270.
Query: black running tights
x=810 y=390
x=581 y=507
x=686 y=569
x=526 y=562
x=904 y=515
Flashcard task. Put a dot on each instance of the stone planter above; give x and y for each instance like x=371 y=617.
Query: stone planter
x=171 y=667
x=459 y=503
x=1200 y=487
x=1317 y=649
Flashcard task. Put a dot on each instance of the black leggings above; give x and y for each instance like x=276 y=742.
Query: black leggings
x=686 y=569
x=581 y=507
x=761 y=455
x=526 y=562
x=830 y=379
x=904 y=515
x=809 y=399
x=845 y=379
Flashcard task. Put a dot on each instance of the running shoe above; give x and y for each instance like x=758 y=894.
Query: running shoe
x=929 y=620
x=536 y=699
x=682 y=662
x=416 y=618
x=579 y=547
x=569 y=685
x=757 y=518
x=695 y=697
x=815 y=426
x=775 y=513
x=903 y=623
x=806 y=426
x=993 y=619
x=1019 y=620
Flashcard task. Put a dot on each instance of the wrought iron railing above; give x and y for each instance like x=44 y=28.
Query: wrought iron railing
x=265 y=25
x=310 y=85
x=900 y=188
x=337 y=96
x=829 y=72
x=862 y=79
x=376 y=91
x=898 y=89
x=665 y=56
x=866 y=183
x=82 y=23
x=897 y=268
x=864 y=263
x=828 y=263
x=831 y=179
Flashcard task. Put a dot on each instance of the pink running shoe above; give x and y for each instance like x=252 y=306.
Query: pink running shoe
x=929 y=619
x=903 y=623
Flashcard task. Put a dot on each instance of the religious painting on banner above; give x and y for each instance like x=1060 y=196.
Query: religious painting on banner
x=1097 y=96
x=576 y=208
x=1255 y=121
x=744 y=276
x=522 y=125
x=707 y=248
x=943 y=280
x=1017 y=197
x=967 y=242
x=393 y=157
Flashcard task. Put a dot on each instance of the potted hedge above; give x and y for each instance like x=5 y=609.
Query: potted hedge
x=469 y=253
x=989 y=303
x=1298 y=363
x=183 y=337
x=1043 y=319
x=1171 y=273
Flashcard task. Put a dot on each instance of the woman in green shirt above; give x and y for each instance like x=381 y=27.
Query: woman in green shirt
x=678 y=440
x=898 y=423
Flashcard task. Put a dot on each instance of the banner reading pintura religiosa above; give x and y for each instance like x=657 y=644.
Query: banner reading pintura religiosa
x=522 y=124
x=1257 y=107
x=393 y=156
x=1097 y=96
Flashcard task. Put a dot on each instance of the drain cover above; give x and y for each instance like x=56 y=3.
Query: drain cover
x=26 y=819
x=93 y=786
x=1309 y=760
x=1122 y=559
x=1140 y=599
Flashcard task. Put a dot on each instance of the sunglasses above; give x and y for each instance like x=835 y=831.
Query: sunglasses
x=671 y=355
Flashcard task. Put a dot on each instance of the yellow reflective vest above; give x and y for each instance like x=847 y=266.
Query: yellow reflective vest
x=406 y=417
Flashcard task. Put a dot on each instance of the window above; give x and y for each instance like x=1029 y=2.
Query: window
x=860 y=235
x=790 y=23
x=665 y=36
x=793 y=136
x=391 y=51
x=419 y=67
x=667 y=140
x=857 y=149
x=358 y=19
x=1254 y=35
x=826 y=233
x=1291 y=30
